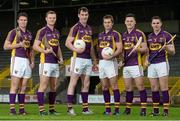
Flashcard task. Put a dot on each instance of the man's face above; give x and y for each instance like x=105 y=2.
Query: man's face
x=107 y=24
x=22 y=21
x=130 y=22
x=83 y=16
x=156 y=24
x=51 y=19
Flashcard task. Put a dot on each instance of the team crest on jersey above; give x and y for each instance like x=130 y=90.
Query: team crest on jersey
x=104 y=44
x=133 y=38
x=26 y=43
x=128 y=45
x=155 y=46
x=155 y=39
x=161 y=39
x=53 y=42
x=87 y=38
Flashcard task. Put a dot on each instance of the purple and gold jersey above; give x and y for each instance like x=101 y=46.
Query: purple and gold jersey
x=85 y=34
x=129 y=41
x=108 y=40
x=155 y=43
x=48 y=38
x=16 y=36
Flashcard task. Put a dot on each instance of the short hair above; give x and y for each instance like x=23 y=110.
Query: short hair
x=109 y=17
x=130 y=15
x=156 y=17
x=84 y=9
x=22 y=14
x=50 y=12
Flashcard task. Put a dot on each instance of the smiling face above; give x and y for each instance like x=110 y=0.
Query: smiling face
x=130 y=22
x=51 y=19
x=22 y=21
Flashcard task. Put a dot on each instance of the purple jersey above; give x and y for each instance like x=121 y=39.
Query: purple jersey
x=129 y=41
x=155 y=43
x=108 y=40
x=48 y=38
x=16 y=36
x=85 y=34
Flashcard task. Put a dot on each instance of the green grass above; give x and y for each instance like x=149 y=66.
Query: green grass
x=32 y=109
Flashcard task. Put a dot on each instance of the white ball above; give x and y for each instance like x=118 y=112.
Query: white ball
x=79 y=44
x=107 y=51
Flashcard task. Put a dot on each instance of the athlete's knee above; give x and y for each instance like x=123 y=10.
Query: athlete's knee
x=154 y=87
x=114 y=86
x=105 y=87
x=23 y=88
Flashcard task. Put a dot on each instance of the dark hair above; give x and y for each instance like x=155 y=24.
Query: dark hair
x=130 y=15
x=22 y=14
x=109 y=17
x=50 y=12
x=156 y=17
x=84 y=9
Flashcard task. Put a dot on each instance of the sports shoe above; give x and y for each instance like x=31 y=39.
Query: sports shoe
x=154 y=114
x=165 y=114
x=22 y=113
x=13 y=113
x=107 y=113
x=43 y=113
x=142 y=113
x=71 y=112
x=53 y=112
x=127 y=112
x=88 y=112
x=116 y=113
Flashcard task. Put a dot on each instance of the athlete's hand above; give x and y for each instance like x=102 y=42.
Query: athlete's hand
x=107 y=57
x=21 y=44
x=95 y=68
x=120 y=64
x=32 y=65
x=61 y=61
x=48 y=50
x=79 y=50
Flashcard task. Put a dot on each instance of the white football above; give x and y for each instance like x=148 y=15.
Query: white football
x=79 y=44
x=107 y=51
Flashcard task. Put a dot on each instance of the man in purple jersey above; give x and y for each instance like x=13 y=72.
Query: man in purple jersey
x=108 y=66
x=158 y=69
x=47 y=43
x=19 y=40
x=133 y=70
x=81 y=64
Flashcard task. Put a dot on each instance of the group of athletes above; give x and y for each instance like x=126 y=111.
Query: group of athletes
x=126 y=54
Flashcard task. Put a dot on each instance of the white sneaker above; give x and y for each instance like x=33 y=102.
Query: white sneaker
x=88 y=112
x=71 y=112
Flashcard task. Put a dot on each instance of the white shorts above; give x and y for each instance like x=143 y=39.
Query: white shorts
x=49 y=69
x=132 y=71
x=20 y=67
x=81 y=66
x=158 y=70
x=108 y=68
